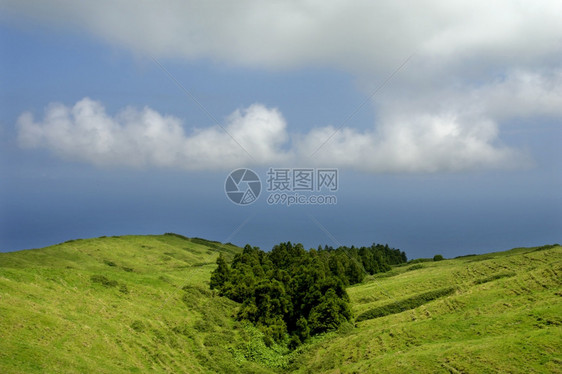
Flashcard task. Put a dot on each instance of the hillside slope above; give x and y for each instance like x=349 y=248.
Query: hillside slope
x=119 y=304
x=142 y=304
x=503 y=314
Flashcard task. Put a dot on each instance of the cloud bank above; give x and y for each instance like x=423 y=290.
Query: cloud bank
x=363 y=36
x=258 y=136
x=476 y=66
x=144 y=137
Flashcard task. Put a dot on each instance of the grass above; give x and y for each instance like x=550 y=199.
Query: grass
x=505 y=315
x=405 y=304
x=136 y=304
x=109 y=305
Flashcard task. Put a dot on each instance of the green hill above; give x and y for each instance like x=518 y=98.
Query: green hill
x=143 y=304
x=503 y=314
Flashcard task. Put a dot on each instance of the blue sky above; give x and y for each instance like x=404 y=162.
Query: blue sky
x=444 y=123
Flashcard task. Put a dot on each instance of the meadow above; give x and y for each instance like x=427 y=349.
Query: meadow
x=136 y=304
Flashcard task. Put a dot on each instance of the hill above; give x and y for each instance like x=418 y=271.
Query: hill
x=498 y=312
x=118 y=304
x=143 y=304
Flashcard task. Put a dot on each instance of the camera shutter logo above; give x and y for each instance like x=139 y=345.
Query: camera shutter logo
x=242 y=186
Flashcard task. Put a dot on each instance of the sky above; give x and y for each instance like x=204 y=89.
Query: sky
x=440 y=122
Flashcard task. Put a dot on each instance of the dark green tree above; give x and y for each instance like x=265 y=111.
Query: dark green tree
x=221 y=274
x=329 y=314
x=290 y=293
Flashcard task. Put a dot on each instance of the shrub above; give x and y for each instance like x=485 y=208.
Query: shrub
x=418 y=260
x=164 y=278
x=406 y=304
x=123 y=289
x=493 y=277
x=545 y=247
x=204 y=241
x=469 y=255
x=101 y=279
x=137 y=326
x=176 y=235
x=203 y=325
x=415 y=267
x=438 y=258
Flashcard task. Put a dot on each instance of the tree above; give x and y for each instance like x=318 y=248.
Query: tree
x=329 y=314
x=302 y=330
x=354 y=272
x=337 y=268
x=438 y=258
x=290 y=293
x=221 y=275
x=368 y=261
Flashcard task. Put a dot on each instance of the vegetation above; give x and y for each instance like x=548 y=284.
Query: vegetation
x=438 y=258
x=406 y=304
x=504 y=315
x=290 y=293
x=122 y=305
x=65 y=309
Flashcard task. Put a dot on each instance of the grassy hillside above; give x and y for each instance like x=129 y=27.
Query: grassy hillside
x=120 y=304
x=504 y=314
x=142 y=304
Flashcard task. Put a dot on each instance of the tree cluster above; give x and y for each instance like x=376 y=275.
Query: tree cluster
x=291 y=293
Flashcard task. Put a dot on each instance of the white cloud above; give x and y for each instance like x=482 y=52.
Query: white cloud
x=146 y=138
x=522 y=94
x=477 y=65
x=363 y=36
x=421 y=143
x=258 y=136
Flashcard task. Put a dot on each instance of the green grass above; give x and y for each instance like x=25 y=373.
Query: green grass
x=137 y=304
x=505 y=315
x=405 y=304
x=129 y=304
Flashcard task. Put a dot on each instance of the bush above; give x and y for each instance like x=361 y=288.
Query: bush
x=406 y=304
x=545 y=247
x=204 y=241
x=418 y=260
x=101 y=279
x=438 y=258
x=493 y=277
x=415 y=267
x=123 y=289
x=176 y=235
x=203 y=325
x=138 y=326
x=469 y=255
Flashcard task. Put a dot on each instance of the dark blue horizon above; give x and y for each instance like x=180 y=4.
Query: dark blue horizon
x=450 y=215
